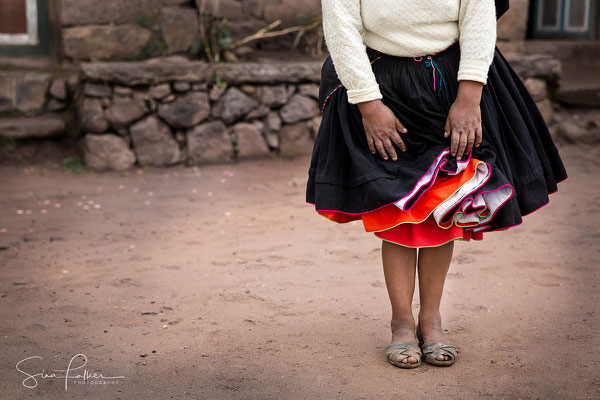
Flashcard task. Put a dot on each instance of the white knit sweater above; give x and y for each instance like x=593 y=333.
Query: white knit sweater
x=408 y=28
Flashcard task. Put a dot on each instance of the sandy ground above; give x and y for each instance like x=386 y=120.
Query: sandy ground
x=220 y=282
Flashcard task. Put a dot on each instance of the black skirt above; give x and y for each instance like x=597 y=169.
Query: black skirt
x=511 y=173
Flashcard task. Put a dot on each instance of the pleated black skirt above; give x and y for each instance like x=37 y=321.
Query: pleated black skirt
x=510 y=174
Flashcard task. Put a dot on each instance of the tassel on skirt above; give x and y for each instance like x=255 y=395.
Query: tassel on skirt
x=426 y=197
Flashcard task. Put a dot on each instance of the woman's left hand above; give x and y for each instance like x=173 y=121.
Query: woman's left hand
x=464 y=119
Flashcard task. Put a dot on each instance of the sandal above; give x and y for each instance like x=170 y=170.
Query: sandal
x=395 y=353
x=431 y=350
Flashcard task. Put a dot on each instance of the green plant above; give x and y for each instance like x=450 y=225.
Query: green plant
x=11 y=113
x=215 y=35
x=153 y=48
x=74 y=164
x=224 y=36
x=147 y=20
x=219 y=83
x=196 y=48
x=32 y=112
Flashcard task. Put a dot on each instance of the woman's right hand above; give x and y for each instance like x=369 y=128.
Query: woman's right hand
x=381 y=127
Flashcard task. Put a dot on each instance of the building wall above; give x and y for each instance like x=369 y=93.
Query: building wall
x=125 y=29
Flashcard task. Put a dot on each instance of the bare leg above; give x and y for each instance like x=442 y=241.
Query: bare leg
x=399 y=264
x=434 y=263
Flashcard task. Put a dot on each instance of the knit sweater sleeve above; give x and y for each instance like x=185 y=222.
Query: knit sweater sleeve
x=342 y=29
x=477 y=39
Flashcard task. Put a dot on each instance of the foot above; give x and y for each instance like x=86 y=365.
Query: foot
x=430 y=325
x=404 y=332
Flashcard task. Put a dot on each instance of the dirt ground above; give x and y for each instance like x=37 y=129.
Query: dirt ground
x=220 y=282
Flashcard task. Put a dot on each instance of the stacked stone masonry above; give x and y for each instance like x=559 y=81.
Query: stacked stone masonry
x=164 y=113
x=33 y=104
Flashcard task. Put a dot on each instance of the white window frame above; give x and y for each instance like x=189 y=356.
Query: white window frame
x=586 y=18
x=29 y=38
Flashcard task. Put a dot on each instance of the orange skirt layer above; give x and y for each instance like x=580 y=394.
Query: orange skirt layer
x=416 y=227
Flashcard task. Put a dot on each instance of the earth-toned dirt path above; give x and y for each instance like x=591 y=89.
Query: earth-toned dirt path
x=220 y=282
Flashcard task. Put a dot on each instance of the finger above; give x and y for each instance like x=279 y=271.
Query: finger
x=447 y=128
x=400 y=126
x=387 y=143
x=462 y=144
x=470 y=142
x=454 y=141
x=478 y=136
x=371 y=144
x=395 y=137
x=381 y=149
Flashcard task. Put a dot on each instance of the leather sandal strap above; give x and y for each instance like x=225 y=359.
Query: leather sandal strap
x=435 y=349
x=404 y=349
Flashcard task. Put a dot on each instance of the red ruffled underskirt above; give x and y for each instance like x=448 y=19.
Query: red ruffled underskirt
x=417 y=227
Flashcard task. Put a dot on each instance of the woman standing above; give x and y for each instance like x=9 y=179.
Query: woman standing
x=428 y=136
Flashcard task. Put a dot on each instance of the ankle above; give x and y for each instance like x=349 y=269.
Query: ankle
x=430 y=314
x=402 y=322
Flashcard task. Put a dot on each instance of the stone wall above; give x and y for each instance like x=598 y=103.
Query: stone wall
x=130 y=29
x=169 y=112
x=35 y=104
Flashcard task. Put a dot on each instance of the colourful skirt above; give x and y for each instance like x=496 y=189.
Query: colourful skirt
x=426 y=197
